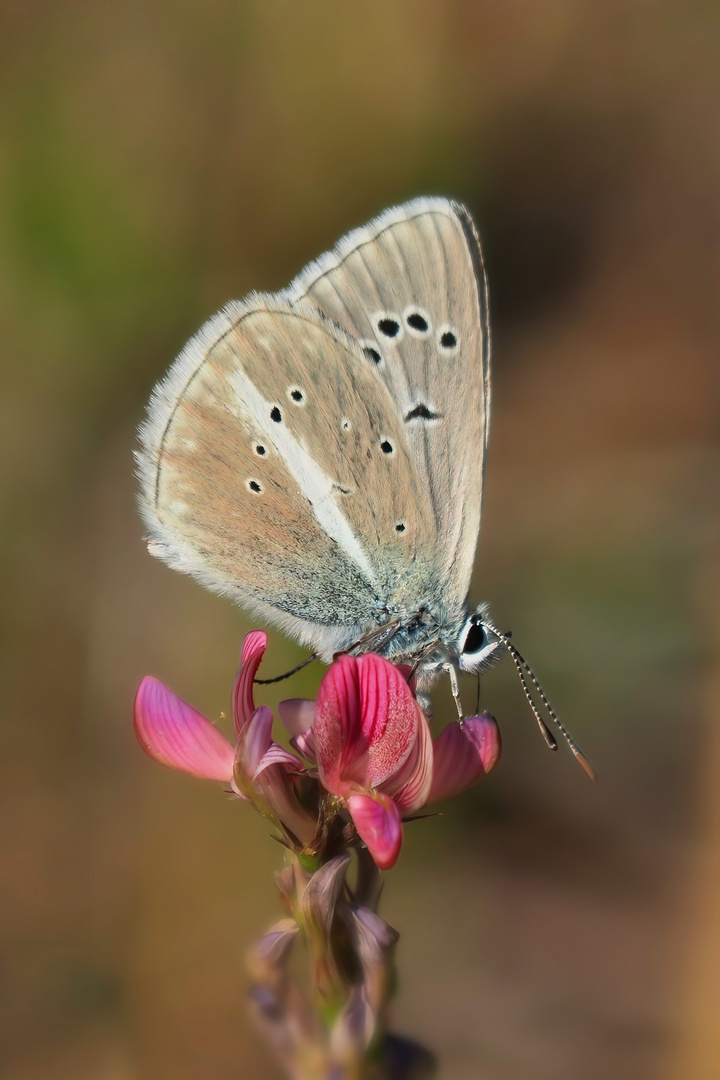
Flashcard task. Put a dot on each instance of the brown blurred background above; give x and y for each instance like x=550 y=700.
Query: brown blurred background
x=157 y=159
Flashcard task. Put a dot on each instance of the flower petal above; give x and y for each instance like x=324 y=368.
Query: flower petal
x=365 y=723
x=275 y=788
x=353 y=1030
x=268 y=957
x=175 y=734
x=253 y=742
x=407 y=673
x=374 y=941
x=463 y=754
x=253 y=648
x=319 y=902
x=320 y=898
x=305 y=745
x=297 y=714
x=389 y=717
x=410 y=787
x=377 y=821
x=337 y=722
x=262 y=774
x=278 y=755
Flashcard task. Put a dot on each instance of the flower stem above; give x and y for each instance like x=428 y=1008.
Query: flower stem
x=335 y=1027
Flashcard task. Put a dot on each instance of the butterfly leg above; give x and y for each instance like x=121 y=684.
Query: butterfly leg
x=455 y=688
x=380 y=636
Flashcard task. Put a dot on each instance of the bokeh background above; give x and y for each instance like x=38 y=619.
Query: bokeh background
x=158 y=158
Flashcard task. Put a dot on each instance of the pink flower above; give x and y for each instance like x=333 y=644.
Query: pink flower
x=366 y=733
x=374 y=749
x=258 y=769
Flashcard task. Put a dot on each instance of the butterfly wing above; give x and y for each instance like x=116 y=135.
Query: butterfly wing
x=275 y=469
x=411 y=287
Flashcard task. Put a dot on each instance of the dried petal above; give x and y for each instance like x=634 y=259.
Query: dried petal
x=318 y=904
x=463 y=753
x=374 y=941
x=267 y=959
x=377 y=821
x=286 y=882
x=374 y=936
x=353 y=1030
x=175 y=734
x=322 y=892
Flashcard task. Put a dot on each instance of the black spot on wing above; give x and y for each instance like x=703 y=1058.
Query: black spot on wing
x=417 y=321
x=389 y=326
x=422 y=412
x=372 y=354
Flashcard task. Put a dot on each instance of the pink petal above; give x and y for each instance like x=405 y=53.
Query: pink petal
x=253 y=648
x=410 y=787
x=377 y=821
x=365 y=722
x=278 y=755
x=262 y=775
x=337 y=721
x=274 y=785
x=297 y=714
x=305 y=745
x=463 y=754
x=405 y=670
x=389 y=717
x=175 y=734
x=254 y=741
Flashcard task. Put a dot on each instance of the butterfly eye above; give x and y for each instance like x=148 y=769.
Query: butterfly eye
x=387 y=447
x=296 y=395
x=400 y=527
x=260 y=450
x=276 y=415
x=475 y=639
x=255 y=486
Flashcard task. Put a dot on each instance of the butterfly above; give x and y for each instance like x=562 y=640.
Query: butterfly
x=317 y=454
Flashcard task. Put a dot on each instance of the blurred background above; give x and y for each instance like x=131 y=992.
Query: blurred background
x=157 y=159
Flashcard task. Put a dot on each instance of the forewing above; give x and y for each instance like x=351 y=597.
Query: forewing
x=411 y=287
x=274 y=468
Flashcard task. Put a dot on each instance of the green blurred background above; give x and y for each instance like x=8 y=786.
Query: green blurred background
x=157 y=159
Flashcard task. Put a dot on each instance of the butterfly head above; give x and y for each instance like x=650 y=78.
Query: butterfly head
x=477 y=645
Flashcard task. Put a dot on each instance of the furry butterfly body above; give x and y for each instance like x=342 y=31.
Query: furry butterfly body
x=317 y=454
